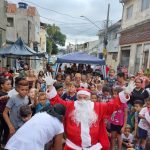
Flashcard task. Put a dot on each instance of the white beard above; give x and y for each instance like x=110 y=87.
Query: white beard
x=84 y=113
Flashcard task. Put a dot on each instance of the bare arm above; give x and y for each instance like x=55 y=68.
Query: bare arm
x=58 y=142
x=142 y=117
x=125 y=119
x=3 y=98
x=7 y=119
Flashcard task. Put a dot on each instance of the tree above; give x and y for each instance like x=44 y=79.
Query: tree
x=54 y=38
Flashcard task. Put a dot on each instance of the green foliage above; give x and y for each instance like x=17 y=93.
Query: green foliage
x=54 y=38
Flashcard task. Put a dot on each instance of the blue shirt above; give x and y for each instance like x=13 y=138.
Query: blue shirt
x=67 y=97
x=39 y=106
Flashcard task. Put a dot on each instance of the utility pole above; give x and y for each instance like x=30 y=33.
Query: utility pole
x=106 y=34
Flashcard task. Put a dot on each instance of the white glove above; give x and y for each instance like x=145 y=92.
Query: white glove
x=48 y=79
x=129 y=88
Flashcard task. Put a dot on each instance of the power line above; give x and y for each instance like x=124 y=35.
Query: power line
x=60 y=22
x=51 y=10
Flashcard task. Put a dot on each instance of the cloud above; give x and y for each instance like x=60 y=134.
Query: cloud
x=72 y=24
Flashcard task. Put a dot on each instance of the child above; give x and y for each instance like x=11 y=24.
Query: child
x=127 y=138
x=94 y=97
x=59 y=88
x=138 y=104
x=42 y=102
x=92 y=88
x=5 y=86
x=70 y=95
x=59 y=78
x=33 y=99
x=25 y=113
x=11 y=112
x=118 y=122
x=106 y=94
x=99 y=88
x=14 y=90
x=41 y=85
x=83 y=84
x=144 y=124
x=111 y=79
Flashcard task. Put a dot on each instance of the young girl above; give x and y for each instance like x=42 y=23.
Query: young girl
x=118 y=122
x=33 y=99
x=94 y=97
x=5 y=87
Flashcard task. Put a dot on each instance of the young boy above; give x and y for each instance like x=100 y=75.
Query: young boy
x=106 y=94
x=25 y=113
x=42 y=102
x=127 y=137
x=71 y=93
x=138 y=105
x=11 y=112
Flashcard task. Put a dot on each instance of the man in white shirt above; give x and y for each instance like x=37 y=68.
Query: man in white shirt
x=39 y=130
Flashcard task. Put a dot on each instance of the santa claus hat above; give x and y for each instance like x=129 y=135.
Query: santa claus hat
x=83 y=91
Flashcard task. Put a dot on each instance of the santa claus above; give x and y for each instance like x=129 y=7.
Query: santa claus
x=84 y=119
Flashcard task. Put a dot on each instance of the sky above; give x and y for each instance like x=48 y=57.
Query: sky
x=66 y=14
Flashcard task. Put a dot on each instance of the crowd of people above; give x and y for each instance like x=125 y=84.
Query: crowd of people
x=127 y=127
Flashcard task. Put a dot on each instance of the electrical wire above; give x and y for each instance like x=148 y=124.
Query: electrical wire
x=52 y=10
x=58 y=21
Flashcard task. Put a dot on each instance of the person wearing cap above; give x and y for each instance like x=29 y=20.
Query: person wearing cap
x=39 y=130
x=84 y=119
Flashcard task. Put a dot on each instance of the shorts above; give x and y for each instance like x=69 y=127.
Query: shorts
x=116 y=128
x=142 y=134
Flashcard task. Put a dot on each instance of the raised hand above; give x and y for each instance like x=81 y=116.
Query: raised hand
x=48 y=79
x=129 y=88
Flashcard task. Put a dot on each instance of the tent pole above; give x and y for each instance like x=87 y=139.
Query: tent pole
x=56 y=69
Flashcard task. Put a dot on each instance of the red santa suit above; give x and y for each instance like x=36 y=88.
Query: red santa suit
x=80 y=134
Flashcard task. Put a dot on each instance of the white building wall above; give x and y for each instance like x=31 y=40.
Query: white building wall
x=137 y=15
x=42 y=40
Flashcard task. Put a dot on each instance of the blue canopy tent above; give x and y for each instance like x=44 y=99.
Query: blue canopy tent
x=19 y=48
x=82 y=58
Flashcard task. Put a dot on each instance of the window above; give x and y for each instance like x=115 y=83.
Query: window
x=137 y=58
x=145 y=63
x=129 y=11
x=145 y=5
x=125 y=56
x=10 y=22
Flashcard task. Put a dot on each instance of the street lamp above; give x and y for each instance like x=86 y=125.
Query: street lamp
x=91 y=21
